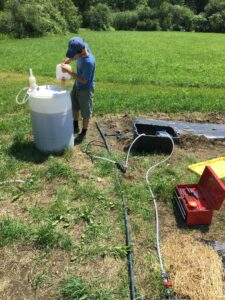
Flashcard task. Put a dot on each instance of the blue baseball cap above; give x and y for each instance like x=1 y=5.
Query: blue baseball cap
x=76 y=44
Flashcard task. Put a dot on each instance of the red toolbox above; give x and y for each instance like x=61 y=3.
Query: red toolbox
x=196 y=202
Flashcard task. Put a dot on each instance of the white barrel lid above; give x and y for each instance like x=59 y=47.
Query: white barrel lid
x=49 y=99
x=48 y=91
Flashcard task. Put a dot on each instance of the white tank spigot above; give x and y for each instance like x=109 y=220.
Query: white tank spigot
x=32 y=80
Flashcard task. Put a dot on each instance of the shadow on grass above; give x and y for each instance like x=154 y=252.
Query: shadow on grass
x=26 y=151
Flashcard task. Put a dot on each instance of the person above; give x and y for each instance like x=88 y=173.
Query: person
x=82 y=93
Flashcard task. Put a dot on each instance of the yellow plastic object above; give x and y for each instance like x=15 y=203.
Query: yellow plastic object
x=217 y=164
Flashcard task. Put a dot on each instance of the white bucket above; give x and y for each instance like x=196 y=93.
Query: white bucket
x=51 y=117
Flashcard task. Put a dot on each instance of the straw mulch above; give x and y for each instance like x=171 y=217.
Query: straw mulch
x=194 y=268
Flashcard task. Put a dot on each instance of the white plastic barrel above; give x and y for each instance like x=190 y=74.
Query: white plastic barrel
x=51 y=117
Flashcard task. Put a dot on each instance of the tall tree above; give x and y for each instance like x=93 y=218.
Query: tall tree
x=177 y=2
x=121 y=5
x=84 y=5
x=200 y=5
x=2 y=4
x=191 y=4
x=155 y=3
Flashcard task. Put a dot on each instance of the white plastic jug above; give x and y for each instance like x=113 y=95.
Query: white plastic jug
x=60 y=75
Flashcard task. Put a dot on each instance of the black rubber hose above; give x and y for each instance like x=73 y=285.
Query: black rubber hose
x=129 y=252
x=103 y=137
x=128 y=239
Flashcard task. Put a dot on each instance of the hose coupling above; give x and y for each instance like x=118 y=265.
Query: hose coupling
x=121 y=167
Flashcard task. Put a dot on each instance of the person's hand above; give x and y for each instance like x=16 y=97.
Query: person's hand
x=67 y=61
x=65 y=68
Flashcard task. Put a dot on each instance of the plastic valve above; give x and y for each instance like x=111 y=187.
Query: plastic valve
x=168 y=284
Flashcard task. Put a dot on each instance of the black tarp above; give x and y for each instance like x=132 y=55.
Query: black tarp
x=178 y=128
x=158 y=133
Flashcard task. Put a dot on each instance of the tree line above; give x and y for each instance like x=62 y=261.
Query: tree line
x=26 y=18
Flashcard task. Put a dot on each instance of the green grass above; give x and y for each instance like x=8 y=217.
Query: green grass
x=148 y=71
x=60 y=170
x=75 y=288
x=164 y=58
x=12 y=230
x=63 y=210
x=46 y=237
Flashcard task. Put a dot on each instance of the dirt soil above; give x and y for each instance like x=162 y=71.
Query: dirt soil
x=199 y=146
x=17 y=261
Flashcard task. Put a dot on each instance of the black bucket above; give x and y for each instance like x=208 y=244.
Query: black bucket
x=156 y=139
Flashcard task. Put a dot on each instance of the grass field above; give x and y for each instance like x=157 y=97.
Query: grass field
x=151 y=71
x=62 y=231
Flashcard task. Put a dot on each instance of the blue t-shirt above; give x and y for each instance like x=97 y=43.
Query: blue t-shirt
x=86 y=69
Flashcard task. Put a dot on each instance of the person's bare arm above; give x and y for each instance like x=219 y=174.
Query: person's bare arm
x=73 y=74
